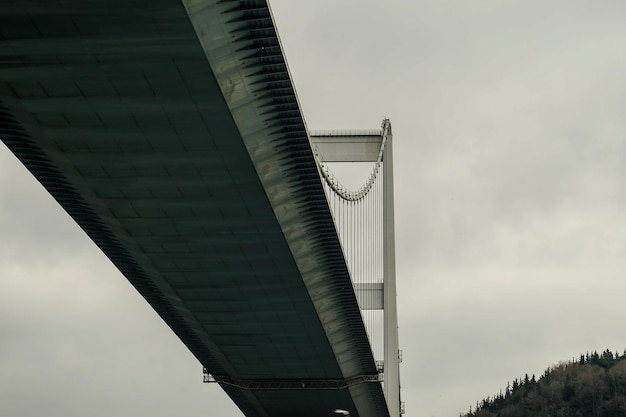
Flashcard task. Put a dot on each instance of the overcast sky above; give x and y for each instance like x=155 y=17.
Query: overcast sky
x=510 y=158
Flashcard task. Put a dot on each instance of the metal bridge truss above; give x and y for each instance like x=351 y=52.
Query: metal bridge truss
x=203 y=81
x=291 y=384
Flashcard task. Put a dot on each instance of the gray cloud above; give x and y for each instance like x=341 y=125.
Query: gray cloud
x=509 y=151
x=509 y=158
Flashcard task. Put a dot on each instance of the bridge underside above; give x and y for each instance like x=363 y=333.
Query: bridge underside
x=115 y=109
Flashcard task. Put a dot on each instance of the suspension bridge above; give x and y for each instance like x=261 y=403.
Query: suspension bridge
x=171 y=132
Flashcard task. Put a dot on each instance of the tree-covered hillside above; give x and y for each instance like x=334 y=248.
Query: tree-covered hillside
x=592 y=386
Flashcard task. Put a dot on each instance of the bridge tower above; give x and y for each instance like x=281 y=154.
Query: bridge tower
x=365 y=223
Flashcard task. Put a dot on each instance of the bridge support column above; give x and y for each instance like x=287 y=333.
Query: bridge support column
x=392 y=351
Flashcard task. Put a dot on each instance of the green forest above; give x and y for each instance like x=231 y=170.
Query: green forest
x=592 y=386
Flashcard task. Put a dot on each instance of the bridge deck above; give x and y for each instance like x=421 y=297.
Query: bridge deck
x=114 y=107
